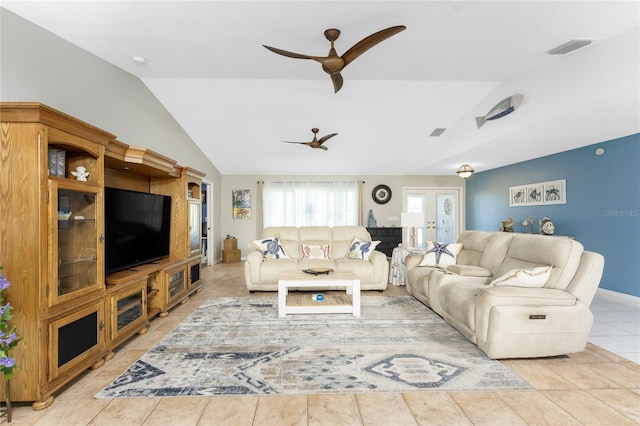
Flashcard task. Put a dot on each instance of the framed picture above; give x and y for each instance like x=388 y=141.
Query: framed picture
x=241 y=203
x=535 y=194
x=517 y=196
x=555 y=192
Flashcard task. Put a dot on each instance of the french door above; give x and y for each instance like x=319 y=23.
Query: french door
x=442 y=209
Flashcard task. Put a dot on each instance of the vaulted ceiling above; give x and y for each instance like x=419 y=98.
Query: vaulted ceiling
x=455 y=61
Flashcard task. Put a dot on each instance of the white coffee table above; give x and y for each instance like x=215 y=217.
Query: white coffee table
x=349 y=280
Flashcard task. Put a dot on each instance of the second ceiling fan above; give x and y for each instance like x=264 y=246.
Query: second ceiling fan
x=333 y=64
x=315 y=143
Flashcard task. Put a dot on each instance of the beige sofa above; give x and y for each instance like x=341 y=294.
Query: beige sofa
x=512 y=321
x=262 y=274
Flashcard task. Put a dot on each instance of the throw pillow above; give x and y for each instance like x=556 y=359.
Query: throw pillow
x=271 y=248
x=359 y=249
x=316 y=252
x=536 y=277
x=441 y=255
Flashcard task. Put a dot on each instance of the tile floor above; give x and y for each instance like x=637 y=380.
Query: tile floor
x=616 y=326
x=594 y=387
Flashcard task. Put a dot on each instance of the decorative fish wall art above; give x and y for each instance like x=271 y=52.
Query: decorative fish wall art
x=504 y=107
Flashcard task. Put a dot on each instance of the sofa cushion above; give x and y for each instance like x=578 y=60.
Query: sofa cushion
x=440 y=254
x=342 y=236
x=364 y=270
x=316 y=263
x=271 y=248
x=288 y=239
x=310 y=251
x=361 y=249
x=474 y=243
x=535 y=277
x=270 y=271
x=529 y=251
x=496 y=251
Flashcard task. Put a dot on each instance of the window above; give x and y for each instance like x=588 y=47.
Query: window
x=310 y=203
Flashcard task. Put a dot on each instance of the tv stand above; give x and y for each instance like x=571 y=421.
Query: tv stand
x=72 y=317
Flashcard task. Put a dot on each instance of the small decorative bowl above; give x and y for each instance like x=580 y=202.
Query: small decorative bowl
x=64 y=216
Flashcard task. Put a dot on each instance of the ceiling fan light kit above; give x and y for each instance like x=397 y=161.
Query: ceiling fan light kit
x=333 y=63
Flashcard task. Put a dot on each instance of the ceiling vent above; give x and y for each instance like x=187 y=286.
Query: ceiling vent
x=569 y=47
x=437 y=132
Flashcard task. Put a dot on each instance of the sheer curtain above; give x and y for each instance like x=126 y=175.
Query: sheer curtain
x=311 y=203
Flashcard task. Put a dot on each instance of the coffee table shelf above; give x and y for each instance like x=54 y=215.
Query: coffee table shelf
x=301 y=280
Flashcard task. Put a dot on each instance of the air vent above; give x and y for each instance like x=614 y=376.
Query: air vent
x=437 y=132
x=569 y=47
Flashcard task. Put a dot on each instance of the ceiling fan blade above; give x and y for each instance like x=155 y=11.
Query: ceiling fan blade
x=303 y=143
x=323 y=147
x=336 y=78
x=290 y=54
x=368 y=42
x=326 y=138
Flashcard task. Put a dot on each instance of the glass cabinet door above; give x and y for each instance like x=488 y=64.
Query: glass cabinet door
x=77 y=234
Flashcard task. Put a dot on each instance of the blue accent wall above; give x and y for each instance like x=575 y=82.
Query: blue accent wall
x=602 y=210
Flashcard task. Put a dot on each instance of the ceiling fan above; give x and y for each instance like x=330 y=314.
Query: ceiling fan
x=334 y=64
x=315 y=143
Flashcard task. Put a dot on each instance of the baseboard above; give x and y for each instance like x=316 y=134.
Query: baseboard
x=616 y=294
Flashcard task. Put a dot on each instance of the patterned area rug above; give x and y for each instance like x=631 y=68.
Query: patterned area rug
x=234 y=346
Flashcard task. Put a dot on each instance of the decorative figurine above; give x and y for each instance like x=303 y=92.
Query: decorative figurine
x=546 y=226
x=507 y=225
x=527 y=222
x=372 y=223
x=81 y=174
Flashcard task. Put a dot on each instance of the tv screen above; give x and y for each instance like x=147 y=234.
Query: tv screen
x=137 y=228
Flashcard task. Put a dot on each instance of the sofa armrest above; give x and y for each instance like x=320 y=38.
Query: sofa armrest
x=412 y=261
x=252 y=267
x=526 y=304
x=378 y=259
x=469 y=270
x=523 y=296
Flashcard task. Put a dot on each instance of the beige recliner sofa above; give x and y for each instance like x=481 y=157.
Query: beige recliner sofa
x=512 y=321
x=262 y=275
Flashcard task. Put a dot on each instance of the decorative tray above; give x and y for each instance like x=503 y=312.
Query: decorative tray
x=317 y=271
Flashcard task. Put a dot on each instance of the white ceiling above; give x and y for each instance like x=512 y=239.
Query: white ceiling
x=455 y=61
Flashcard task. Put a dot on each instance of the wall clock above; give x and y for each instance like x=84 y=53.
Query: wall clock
x=381 y=194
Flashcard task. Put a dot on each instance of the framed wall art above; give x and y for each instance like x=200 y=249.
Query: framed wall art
x=535 y=194
x=517 y=196
x=241 y=203
x=555 y=192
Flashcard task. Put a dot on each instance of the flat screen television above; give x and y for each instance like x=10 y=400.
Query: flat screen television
x=137 y=228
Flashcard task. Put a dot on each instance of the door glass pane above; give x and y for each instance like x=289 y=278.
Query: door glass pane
x=445 y=218
x=417 y=203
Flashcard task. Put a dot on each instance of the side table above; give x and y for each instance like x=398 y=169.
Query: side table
x=396 y=267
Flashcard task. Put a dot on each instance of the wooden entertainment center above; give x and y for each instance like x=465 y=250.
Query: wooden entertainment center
x=71 y=316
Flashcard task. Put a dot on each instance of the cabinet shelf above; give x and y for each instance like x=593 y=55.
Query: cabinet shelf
x=75 y=184
x=77 y=261
x=79 y=221
x=128 y=306
x=152 y=292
